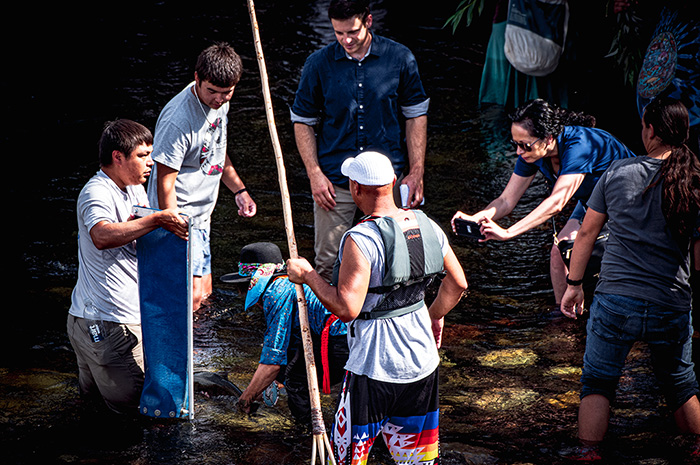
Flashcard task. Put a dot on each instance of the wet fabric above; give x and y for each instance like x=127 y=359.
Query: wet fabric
x=615 y=324
x=296 y=381
x=166 y=323
x=406 y=415
x=112 y=368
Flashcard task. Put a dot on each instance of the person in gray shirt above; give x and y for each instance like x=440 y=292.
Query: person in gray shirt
x=108 y=349
x=652 y=206
x=189 y=149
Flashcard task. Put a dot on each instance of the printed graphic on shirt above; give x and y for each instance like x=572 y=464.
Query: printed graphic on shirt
x=214 y=137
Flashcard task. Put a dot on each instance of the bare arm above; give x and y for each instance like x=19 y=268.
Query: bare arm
x=450 y=292
x=345 y=300
x=322 y=189
x=165 y=183
x=416 y=141
x=563 y=190
x=451 y=289
x=264 y=376
x=503 y=204
x=246 y=206
x=106 y=235
x=572 y=302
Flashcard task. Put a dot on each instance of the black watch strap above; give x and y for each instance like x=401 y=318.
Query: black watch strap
x=577 y=282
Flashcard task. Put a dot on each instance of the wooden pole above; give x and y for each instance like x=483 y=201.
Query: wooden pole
x=320 y=440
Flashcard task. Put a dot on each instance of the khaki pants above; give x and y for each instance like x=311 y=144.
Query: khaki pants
x=112 y=368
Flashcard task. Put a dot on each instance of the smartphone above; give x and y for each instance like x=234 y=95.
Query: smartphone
x=468 y=229
x=139 y=212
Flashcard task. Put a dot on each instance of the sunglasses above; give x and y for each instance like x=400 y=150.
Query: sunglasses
x=524 y=146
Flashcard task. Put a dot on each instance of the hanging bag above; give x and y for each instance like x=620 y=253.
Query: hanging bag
x=535 y=35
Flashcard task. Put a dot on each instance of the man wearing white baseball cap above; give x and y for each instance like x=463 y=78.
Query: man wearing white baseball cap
x=369 y=169
x=384 y=266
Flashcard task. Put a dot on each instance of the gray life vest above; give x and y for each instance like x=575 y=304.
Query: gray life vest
x=413 y=259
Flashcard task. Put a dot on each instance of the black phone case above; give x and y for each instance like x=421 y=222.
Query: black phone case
x=468 y=228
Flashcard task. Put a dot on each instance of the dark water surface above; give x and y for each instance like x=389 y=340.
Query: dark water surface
x=510 y=368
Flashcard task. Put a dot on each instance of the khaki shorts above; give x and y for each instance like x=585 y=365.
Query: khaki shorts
x=112 y=368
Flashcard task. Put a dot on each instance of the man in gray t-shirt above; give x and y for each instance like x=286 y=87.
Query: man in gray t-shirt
x=392 y=375
x=109 y=354
x=189 y=149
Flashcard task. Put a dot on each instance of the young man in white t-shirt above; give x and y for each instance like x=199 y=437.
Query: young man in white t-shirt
x=111 y=364
x=191 y=160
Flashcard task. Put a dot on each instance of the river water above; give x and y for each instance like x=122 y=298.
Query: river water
x=510 y=366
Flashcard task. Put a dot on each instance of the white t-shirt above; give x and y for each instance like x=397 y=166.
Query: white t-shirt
x=191 y=138
x=396 y=350
x=107 y=278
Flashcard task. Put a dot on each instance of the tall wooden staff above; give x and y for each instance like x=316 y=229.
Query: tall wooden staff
x=320 y=439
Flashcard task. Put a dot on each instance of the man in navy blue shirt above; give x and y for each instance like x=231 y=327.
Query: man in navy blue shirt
x=362 y=92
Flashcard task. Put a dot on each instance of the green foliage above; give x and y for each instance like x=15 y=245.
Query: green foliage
x=626 y=48
x=465 y=8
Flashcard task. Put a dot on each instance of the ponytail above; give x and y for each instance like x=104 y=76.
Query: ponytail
x=680 y=172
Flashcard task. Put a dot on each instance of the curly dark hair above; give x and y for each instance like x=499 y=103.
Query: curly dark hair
x=680 y=172
x=542 y=119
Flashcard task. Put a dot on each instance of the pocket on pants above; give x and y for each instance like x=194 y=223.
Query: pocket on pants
x=610 y=319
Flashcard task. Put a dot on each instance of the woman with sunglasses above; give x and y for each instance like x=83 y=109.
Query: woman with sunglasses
x=652 y=206
x=571 y=154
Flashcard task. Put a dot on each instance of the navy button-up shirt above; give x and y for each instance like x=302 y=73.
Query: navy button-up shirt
x=359 y=105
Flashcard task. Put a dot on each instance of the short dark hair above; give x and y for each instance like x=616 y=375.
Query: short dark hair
x=124 y=136
x=220 y=65
x=347 y=9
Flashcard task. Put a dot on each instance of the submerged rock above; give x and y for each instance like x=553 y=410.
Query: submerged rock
x=509 y=358
x=506 y=399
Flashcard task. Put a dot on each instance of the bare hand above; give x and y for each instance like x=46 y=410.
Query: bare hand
x=246 y=205
x=297 y=268
x=246 y=405
x=322 y=191
x=171 y=220
x=572 y=302
x=463 y=216
x=437 y=330
x=415 y=189
x=491 y=230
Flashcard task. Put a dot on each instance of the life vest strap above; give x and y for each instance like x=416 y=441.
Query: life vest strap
x=384 y=314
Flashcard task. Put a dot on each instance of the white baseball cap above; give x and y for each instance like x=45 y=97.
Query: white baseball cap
x=369 y=169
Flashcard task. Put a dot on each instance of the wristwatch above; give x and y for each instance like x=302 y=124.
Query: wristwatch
x=572 y=282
